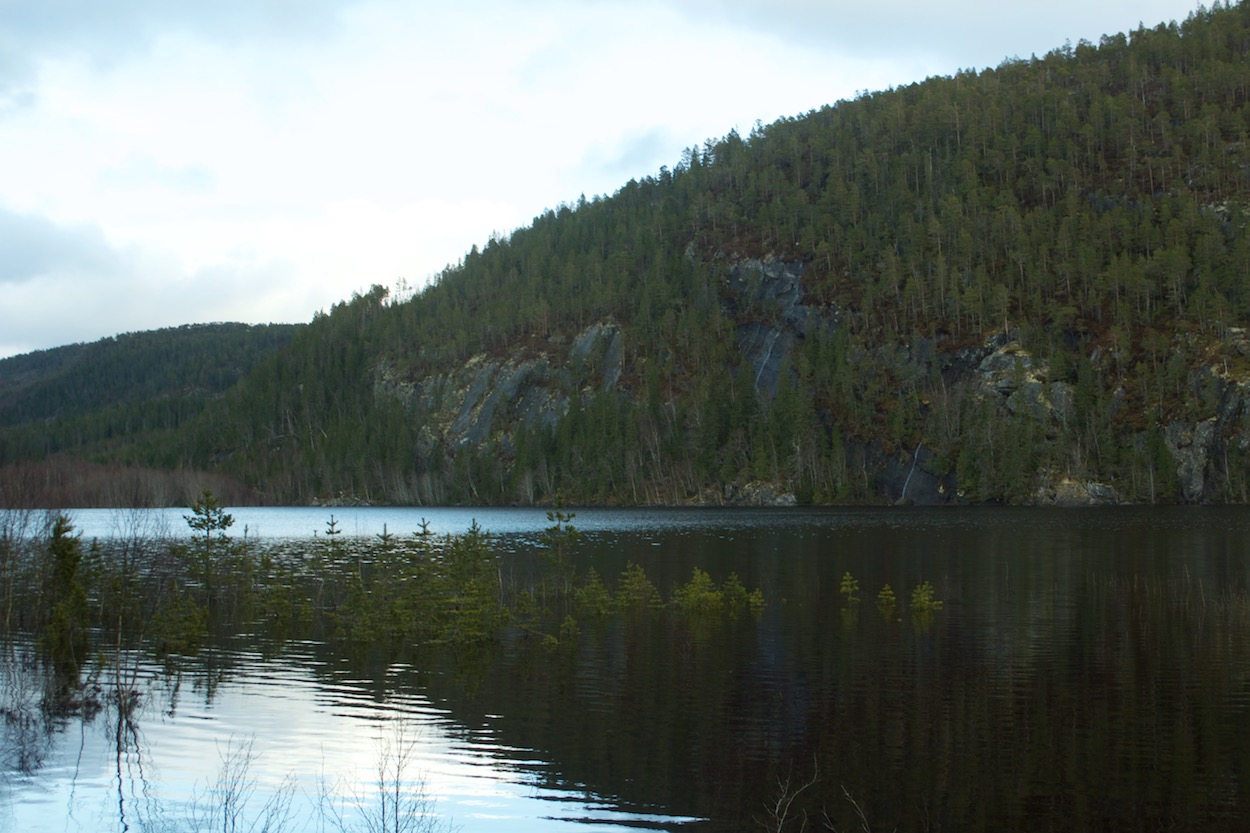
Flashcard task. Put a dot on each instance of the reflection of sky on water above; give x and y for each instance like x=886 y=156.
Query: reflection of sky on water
x=307 y=522
x=314 y=732
x=1049 y=616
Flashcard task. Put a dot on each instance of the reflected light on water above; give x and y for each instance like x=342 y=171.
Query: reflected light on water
x=1088 y=671
x=293 y=725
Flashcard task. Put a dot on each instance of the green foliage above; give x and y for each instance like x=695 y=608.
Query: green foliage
x=357 y=617
x=417 y=590
x=592 y=597
x=700 y=595
x=468 y=589
x=924 y=601
x=635 y=592
x=208 y=518
x=380 y=595
x=734 y=593
x=558 y=541
x=886 y=602
x=568 y=629
x=86 y=397
x=1087 y=205
x=850 y=588
x=179 y=625
x=64 y=634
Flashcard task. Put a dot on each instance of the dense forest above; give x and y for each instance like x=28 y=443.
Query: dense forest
x=1023 y=284
x=120 y=399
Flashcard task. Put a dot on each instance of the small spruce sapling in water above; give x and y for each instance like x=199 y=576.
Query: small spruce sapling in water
x=886 y=602
x=924 y=601
x=208 y=517
x=559 y=539
x=924 y=604
x=700 y=595
x=64 y=634
x=850 y=588
x=209 y=521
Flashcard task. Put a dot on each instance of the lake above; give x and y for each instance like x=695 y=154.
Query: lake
x=1087 y=669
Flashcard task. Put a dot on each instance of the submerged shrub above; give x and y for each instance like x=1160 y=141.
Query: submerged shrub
x=924 y=600
x=734 y=593
x=592 y=597
x=887 y=603
x=636 y=590
x=699 y=595
x=64 y=635
x=850 y=588
x=179 y=626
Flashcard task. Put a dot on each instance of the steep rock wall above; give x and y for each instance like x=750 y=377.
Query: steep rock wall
x=485 y=401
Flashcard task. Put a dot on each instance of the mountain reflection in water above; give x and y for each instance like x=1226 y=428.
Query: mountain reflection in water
x=1087 y=670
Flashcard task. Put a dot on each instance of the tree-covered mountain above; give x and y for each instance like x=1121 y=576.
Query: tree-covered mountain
x=1023 y=284
x=135 y=388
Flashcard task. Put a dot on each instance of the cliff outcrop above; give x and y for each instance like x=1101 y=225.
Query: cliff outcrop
x=489 y=400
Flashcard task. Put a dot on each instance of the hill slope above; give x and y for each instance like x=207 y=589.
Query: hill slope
x=1026 y=285
x=89 y=398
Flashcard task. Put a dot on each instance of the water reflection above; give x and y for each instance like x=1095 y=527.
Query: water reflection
x=1088 y=670
x=229 y=731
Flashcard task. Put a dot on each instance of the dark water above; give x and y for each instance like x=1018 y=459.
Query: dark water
x=1088 y=670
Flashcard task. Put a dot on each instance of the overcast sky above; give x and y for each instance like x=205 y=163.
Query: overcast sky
x=165 y=162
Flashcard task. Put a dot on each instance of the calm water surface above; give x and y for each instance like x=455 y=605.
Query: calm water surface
x=1089 y=670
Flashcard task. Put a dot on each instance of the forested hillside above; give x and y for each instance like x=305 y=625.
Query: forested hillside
x=1025 y=284
x=124 y=395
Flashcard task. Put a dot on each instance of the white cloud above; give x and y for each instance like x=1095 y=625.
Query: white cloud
x=240 y=160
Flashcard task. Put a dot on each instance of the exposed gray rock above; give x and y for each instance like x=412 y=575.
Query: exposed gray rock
x=613 y=359
x=1191 y=447
x=754 y=282
x=488 y=399
x=1200 y=448
x=541 y=406
x=505 y=397
x=911 y=478
x=470 y=417
x=585 y=343
x=481 y=399
x=963 y=364
x=1062 y=398
x=601 y=346
x=1030 y=399
x=1004 y=370
x=1020 y=381
x=766 y=297
x=1068 y=492
x=1239 y=342
x=754 y=493
x=765 y=347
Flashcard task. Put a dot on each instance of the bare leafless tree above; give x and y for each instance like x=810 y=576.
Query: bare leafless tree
x=396 y=801
x=780 y=814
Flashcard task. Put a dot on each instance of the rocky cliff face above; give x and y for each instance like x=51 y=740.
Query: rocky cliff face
x=766 y=299
x=1216 y=417
x=1220 y=393
x=487 y=399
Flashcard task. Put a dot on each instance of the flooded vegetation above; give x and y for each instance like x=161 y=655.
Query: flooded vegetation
x=914 y=670
x=89 y=623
